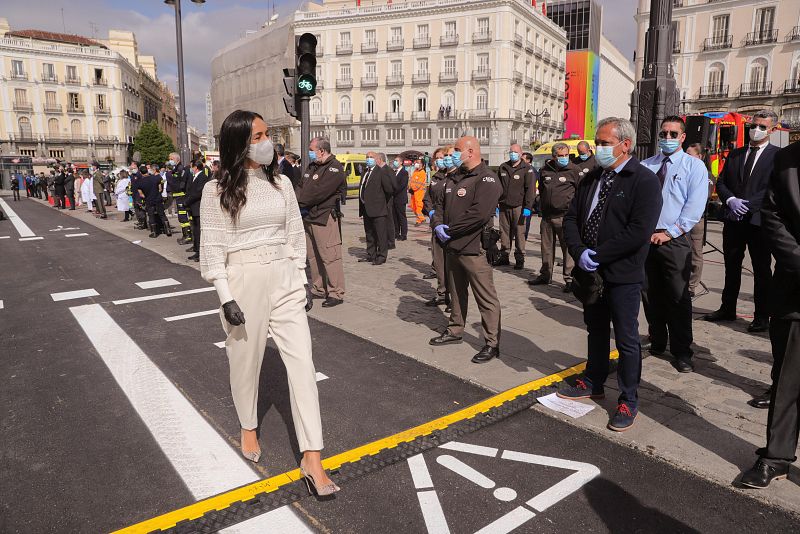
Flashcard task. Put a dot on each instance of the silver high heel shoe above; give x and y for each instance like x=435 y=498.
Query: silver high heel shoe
x=321 y=491
x=253 y=456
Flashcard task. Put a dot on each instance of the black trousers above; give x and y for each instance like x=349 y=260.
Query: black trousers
x=99 y=205
x=377 y=239
x=618 y=306
x=16 y=194
x=667 y=304
x=736 y=236
x=156 y=216
x=44 y=191
x=390 y=235
x=71 y=198
x=399 y=212
x=141 y=213
x=195 y=224
x=783 y=422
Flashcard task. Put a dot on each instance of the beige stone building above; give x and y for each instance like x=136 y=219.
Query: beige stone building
x=739 y=55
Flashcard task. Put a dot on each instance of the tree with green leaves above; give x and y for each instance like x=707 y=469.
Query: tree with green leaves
x=153 y=145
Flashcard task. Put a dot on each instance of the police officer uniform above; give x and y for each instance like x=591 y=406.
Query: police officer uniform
x=467 y=206
x=434 y=195
x=519 y=192
x=323 y=184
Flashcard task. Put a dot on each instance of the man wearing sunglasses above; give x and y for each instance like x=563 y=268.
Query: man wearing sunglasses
x=741 y=187
x=666 y=299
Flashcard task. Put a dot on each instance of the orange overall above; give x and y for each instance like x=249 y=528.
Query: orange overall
x=417 y=188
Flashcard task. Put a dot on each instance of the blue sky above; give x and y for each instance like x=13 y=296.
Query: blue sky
x=206 y=29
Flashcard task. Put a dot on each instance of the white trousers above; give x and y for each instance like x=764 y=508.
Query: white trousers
x=272 y=297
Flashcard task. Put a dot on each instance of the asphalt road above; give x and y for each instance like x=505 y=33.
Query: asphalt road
x=114 y=412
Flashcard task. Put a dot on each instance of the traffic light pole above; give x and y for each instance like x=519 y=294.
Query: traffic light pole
x=305 y=131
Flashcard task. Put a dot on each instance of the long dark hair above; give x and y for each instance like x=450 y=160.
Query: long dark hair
x=234 y=143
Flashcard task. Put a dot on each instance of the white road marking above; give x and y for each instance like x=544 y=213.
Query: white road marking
x=5 y=237
x=22 y=229
x=164 y=295
x=460 y=468
x=321 y=377
x=1 y=304
x=508 y=522
x=30 y=238
x=69 y=295
x=203 y=459
x=152 y=284
x=191 y=315
x=220 y=344
x=432 y=512
x=468 y=448
x=419 y=472
x=76 y=235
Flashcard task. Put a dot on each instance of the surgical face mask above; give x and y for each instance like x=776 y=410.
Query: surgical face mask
x=417 y=166
x=668 y=146
x=563 y=161
x=605 y=155
x=757 y=135
x=440 y=163
x=370 y=162
x=396 y=164
x=448 y=162
x=513 y=156
x=409 y=169
x=262 y=152
x=584 y=157
x=457 y=158
x=312 y=155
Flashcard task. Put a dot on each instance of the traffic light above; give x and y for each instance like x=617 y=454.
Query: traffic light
x=305 y=65
x=290 y=99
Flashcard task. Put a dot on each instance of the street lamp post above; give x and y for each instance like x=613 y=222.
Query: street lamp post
x=544 y=114
x=183 y=134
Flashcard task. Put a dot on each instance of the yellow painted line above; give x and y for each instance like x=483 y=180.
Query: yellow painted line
x=268 y=485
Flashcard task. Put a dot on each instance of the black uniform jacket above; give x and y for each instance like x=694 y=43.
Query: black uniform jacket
x=731 y=181
x=629 y=219
x=468 y=204
x=557 y=186
x=585 y=166
x=322 y=185
x=373 y=196
x=69 y=182
x=780 y=222
x=400 y=181
x=194 y=193
x=433 y=193
x=519 y=185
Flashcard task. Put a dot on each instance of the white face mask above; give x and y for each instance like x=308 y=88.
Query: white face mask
x=758 y=135
x=262 y=153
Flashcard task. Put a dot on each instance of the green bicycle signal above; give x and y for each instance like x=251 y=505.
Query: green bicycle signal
x=306 y=85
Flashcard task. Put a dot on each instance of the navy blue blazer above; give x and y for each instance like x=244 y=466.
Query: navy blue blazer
x=731 y=182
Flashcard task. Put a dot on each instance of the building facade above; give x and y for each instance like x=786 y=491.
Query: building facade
x=168 y=118
x=734 y=55
x=210 y=142
x=618 y=82
x=421 y=74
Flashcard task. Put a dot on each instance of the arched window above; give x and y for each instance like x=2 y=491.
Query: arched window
x=369 y=104
x=716 y=77
x=52 y=127
x=102 y=128
x=758 y=73
x=449 y=99
x=422 y=102
x=344 y=105
x=394 y=104
x=25 y=127
x=482 y=99
x=316 y=106
x=75 y=127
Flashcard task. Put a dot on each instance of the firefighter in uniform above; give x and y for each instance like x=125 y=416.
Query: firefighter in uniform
x=179 y=179
x=516 y=202
x=432 y=195
x=459 y=219
x=323 y=186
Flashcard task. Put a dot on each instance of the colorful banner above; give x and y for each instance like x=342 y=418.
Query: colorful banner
x=581 y=89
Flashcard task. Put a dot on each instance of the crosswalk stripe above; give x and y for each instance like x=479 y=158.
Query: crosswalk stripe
x=70 y=295
x=76 y=235
x=22 y=229
x=191 y=315
x=163 y=295
x=163 y=282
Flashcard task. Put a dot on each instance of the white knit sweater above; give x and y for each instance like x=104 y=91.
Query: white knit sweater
x=269 y=217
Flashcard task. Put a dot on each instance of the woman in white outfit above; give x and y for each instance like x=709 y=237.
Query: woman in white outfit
x=87 y=191
x=121 y=192
x=252 y=248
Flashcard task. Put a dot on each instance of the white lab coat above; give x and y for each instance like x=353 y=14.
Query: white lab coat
x=121 y=190
x=87 y=191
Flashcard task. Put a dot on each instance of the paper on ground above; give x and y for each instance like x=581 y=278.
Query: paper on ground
x=571 y=408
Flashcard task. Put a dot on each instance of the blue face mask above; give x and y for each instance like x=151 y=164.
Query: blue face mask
x=440 y=163
x=563 y=161
x=668 y=146
x=513 y=156
x=312 y=156
x=457 y=159
x=370 y=162
x=605 y=155
x=396 y=164
x=584 y=157
x=409 y=169
x=448 y=162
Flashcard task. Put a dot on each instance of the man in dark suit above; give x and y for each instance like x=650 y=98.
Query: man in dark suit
x=400 y=180
x=194 y=193
x=373 y=193
x=285 y=167
x=741 y=187
x=780 y=219
x=608 y=229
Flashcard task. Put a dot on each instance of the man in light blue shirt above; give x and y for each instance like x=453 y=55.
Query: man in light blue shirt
x=684 y=191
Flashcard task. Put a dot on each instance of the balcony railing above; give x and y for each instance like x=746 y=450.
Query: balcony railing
x=794 y=35
x=106 y=139
x=515 y=114
x=319 y=119
x=560 y=95
x=676 y=47
x=395 y=142
x=344 y=49
x=369 y=81
x=18 y=75
x=369 y=48
x=561 y=64
x=49 y=78
x=528 y=82
x=320 y=84
x=517 y=76
x=538 y=52
x=394 y=44
x=20 y=105
x=480 y=114
x=26 y=136
x=394 y=116
x=537 y=86
x=720 y=42
x=344 y=117
x=420 y=142
x=369 y=117
x=344 y=83
x=448 y=77
x=320 y=51
x=450 y=39
x=547 y=58
x=346 y=143
x=53 y=108
x=714 y=91
x=761 y=37
x=421 y=78
x=422 y=41
x=529 y=46
x=100 y=81
x=72 y=80
x=394 y=79
x=101 y=111
x=755 y=89
x=443 y=114
x=420 y=115
x=545 y=89
x=482 y=74
x=482 y=37
x=75 y=109
x=791 y=87
x=518 y=40
x=677 y=3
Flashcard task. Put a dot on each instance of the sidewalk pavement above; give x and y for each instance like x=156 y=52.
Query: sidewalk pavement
x=699 y=422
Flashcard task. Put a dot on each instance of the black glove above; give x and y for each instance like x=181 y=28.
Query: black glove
x=233 y=313
x=309 y=299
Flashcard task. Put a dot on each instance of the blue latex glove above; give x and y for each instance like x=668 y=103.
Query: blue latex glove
x=441 y=235
x=430 y=214
x=497 y=212
x=738 y=206
x=586 y=263
x=526 y=212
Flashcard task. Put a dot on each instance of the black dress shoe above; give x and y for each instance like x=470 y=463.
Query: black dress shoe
x=330 y=302
x=195 y=257
x=153 y=234
x=519 y=265
x=401 y=238
x=761 y=474
x=684 y=365
x=568 y=287
x=445 y=339
x=379 y=262
x=539 y=281
x=486 y=354
x=436 y=301
x=719 y=315
x=761 y=401
x=429 y=276
x=392 y=247
x=758 y=325
x=502 y=260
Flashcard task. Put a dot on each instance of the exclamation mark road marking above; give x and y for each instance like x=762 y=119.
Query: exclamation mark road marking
x=460 y=468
